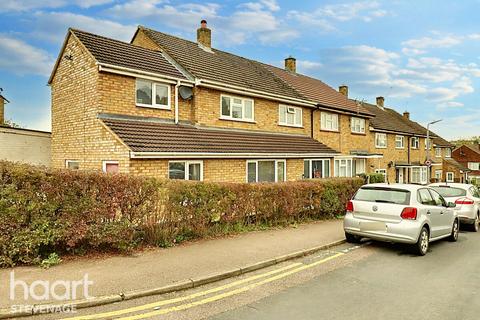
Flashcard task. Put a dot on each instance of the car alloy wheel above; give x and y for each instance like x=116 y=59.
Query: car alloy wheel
x=424 y=242
x=455 y=230
x=476 y=224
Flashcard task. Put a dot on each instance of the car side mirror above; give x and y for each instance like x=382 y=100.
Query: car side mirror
x=451 y=205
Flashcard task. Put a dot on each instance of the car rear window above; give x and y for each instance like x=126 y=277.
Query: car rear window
x=447 y=192
x=385 y=195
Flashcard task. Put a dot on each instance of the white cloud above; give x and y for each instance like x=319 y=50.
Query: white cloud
x=421 y=45
x=21 y=58
x=52 y=26
x=27 y=5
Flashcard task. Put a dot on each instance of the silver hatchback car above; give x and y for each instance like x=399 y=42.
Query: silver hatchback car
x=404 y=213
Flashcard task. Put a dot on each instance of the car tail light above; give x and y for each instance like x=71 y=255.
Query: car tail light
x=409 y=213
x=350 y=206
x=464 y=201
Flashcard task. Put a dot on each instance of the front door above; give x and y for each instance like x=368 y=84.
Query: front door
x=400 y=175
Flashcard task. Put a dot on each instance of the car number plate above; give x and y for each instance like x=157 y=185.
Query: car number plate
x=372 y=226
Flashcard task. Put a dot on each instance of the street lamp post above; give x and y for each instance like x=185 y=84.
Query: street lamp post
x=428 y=144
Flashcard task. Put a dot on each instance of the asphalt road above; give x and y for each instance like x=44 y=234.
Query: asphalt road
x=390 y=284
x=372 y=281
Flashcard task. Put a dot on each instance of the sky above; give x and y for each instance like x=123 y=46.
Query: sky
x=422 y=56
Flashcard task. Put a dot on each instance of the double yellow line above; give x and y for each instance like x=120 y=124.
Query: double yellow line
x=275 y=275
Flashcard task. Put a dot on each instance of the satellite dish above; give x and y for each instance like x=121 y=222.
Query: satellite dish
x=185 y=92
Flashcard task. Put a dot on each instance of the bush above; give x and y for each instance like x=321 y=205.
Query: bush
x=45 y=213
x=376 y=178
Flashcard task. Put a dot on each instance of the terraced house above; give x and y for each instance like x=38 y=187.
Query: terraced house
x=167 y=107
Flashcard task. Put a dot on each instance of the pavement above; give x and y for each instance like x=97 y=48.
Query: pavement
x=160 y=267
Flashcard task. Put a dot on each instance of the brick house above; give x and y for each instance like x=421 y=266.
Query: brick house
x=402 y=143
x=171 y=108
x=468 y=157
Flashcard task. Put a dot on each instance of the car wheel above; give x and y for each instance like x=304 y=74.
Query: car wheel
x=454 y=235
x=352 y=238
x=476 y=224
x=421 y=247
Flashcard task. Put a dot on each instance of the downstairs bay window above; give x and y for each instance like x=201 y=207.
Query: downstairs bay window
x=266 y=170
x=419 y=175
x=316 y=168
x=185 y=170
x=343 y=168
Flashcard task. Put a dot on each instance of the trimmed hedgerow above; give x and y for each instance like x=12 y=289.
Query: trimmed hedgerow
x=46 y=211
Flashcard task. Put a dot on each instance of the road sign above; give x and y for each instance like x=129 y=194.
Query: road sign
x=428 y=163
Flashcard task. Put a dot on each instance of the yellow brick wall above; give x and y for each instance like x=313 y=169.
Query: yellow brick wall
x=144 y=41
x=76 y=133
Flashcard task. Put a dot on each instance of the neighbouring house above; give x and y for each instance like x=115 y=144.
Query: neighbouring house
x=23 y=145
x=468 y=156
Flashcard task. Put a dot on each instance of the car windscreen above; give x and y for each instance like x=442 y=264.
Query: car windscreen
x=448 y=192
x=383 y=195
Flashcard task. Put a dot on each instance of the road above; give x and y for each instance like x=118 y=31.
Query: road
x=371 y=281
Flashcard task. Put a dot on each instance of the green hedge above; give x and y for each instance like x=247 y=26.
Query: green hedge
x=72 y=212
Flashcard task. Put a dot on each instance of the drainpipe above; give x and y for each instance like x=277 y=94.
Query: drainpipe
x=176 y=101
x=312 y=122
x=408 y=158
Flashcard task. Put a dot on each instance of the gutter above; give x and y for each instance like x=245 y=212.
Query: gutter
x=220 y=155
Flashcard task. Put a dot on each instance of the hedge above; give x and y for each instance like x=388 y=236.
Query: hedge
x=46 y=211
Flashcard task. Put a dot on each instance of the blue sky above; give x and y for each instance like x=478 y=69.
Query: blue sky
x=422 y=56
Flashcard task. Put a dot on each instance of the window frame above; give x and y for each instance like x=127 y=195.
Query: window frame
x=417 y=144
x=107 y=162
x=187 y=168
x=323 y=168
x=336 y=170
x=473 y=165
x=230 y=117
x=452 y=174
x=438 y=152
x=256 y=161
x=323 y=116
x=377 y=134
x=448 y=153
x=439 y=177
x=67 y=162
x=286 y=124
x=362 y=125
x=429 y=143
x=423 y=173
x=383 y=172
x=402 y=139
x=154 y=105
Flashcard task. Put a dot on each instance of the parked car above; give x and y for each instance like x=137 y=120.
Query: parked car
x=467 y=199
x=403 y=213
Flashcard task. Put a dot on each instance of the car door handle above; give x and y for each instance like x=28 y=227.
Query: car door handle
x=441 y=212
x=428 y=212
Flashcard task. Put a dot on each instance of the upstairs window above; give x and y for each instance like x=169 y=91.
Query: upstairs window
x=428 y=143
x=399 y=142
x=152 y=95
x=448 y=153
x=438 y=152
x=415 y=142
x=329 y=121
x=474 y=165
x=357 y=125
x=235 y=108
x=289 y=116
x=381 y=140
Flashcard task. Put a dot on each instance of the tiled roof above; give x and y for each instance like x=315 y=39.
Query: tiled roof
x=124 y=54
x=457 y=164
x=318 y=91
x=389 y=120
x=142 y=134
x=221 y=66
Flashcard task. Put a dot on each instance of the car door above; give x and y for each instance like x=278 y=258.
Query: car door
x=430 y=208
x=475 y=194
x=446 y=215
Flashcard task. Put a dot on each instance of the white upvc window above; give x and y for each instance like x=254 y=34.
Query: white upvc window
x=382 y=172
x=343 y=168
x=450 y=177
x=357 y=125
x=359 y=166
x=185 y=170
x=474 y=165
x=428 y=142
x=290 y=116
x=151 y=94
x=438 y=175
x=399 y=142
x=109 y=166
x=72 y=164
x=415 y=142
x=316 y=168
x=438 y=152
x=329 y=121
x=236 y=108
x=266 y=170
x=448 y=153
x=381 y=140
x=419 y=175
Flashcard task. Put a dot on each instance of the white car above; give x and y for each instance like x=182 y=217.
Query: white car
x=467 y=199
x=404 y=213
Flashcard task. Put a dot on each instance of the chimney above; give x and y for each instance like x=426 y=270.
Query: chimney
x=381 y=102
x=291 y=64
x=406 y=115
x=343 y=89
x=204 y=35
